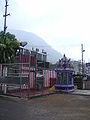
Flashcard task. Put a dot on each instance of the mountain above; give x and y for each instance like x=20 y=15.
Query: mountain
x=35 y=41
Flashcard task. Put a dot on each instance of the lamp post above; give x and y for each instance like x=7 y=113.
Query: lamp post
x=82 y=50
x=4 y=37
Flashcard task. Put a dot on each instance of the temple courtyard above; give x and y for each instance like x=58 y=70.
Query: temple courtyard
x=50 y=107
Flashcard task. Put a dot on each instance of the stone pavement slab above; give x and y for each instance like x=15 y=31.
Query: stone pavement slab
x=82 y=92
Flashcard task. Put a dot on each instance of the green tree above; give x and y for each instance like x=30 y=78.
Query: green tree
x=8 y=47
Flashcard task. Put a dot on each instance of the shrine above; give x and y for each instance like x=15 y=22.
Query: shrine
x=64 y=76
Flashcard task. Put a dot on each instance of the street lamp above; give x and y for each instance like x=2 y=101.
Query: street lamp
x=82 y=50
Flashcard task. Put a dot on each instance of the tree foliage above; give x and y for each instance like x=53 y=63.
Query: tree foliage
x=8 y=47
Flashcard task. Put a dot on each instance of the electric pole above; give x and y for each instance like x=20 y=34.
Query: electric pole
x=5 y=17
x=82 y=50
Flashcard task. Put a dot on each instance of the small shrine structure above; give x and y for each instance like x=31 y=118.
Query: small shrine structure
x=64 y=76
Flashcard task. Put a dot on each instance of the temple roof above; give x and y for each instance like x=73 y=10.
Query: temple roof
x=64 y=63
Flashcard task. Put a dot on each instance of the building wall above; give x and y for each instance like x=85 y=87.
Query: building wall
x=88 y=68
x=77 y=65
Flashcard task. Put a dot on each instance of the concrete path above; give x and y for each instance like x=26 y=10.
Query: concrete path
x=52 y=107
x=82 y=92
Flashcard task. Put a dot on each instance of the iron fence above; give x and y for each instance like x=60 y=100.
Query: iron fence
x=20 y=79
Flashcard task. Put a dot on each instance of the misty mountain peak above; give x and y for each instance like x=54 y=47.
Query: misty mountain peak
x=34 y=42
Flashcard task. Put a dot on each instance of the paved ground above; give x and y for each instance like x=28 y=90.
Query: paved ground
x=82 y=92
x=52 y=107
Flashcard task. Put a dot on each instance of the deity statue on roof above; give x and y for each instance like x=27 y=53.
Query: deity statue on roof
x=64 y=62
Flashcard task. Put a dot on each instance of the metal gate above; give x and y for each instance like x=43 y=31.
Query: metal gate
x=13 y=81
x=20 y=79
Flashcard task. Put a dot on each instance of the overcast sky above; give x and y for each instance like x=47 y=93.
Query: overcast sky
x=64 y=24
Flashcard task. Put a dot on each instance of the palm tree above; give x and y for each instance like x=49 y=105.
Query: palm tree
x=8 y=47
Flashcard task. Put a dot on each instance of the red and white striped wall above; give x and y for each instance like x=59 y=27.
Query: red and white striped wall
x=25 y=71
x=4 y=71
x=47 y=75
